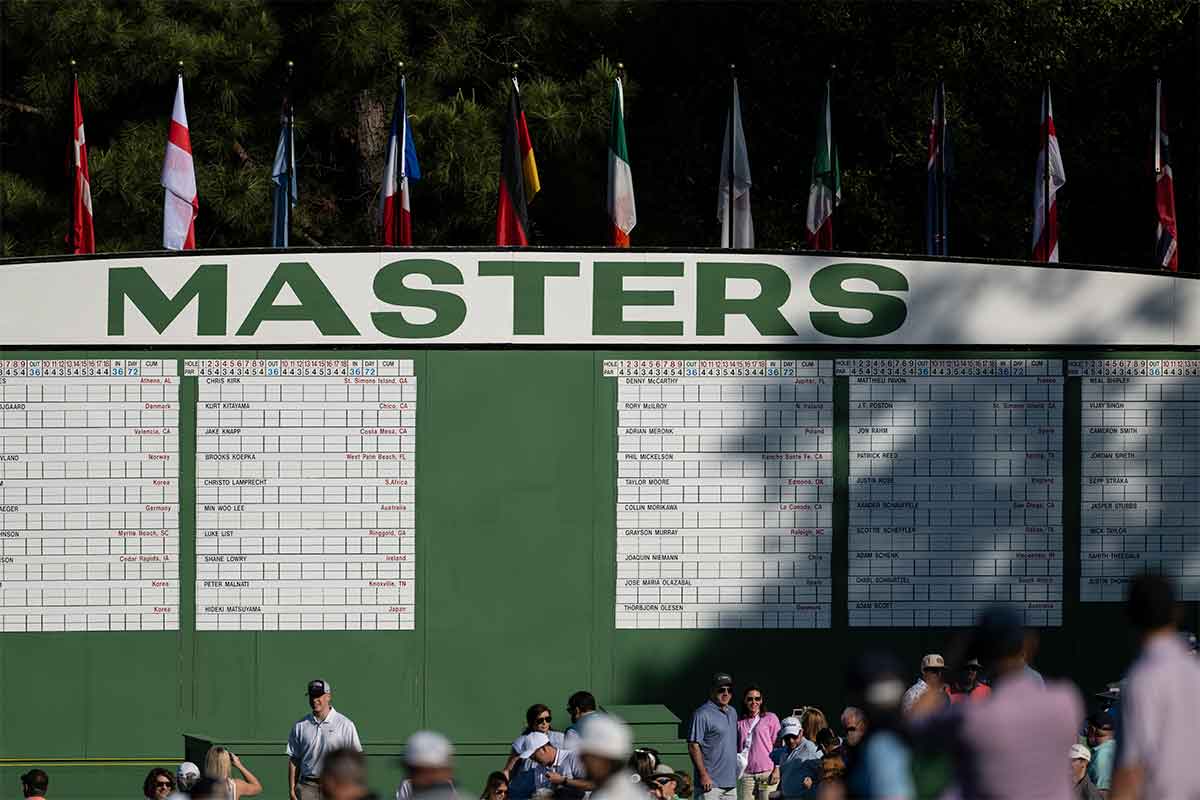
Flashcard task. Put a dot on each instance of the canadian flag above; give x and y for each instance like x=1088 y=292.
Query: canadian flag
x=180 y=204
x=83 y=235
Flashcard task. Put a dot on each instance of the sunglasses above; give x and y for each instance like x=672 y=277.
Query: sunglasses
x=664 y=780
x=724 y=690
x=540 y=720
x=162 y=784
x=753 y=699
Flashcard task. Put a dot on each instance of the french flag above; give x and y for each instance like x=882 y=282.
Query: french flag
x=395 y=211
x=180 y=204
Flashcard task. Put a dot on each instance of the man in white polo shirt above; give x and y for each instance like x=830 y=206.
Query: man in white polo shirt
x=318 y=733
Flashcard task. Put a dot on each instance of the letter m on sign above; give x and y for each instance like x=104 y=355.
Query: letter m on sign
x=207 y=286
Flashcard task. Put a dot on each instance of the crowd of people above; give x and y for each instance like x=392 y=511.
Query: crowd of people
x=1008 y=732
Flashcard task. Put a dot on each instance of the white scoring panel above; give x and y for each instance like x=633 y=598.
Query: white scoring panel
x=1141 y=475
x=955 y=490
x=724 y=493
x=89 y=493
x=305 y=503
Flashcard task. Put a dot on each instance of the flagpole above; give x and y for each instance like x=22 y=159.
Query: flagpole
x=401 y=153
x=1046 y=166
x=288 y=156
x=1157 y=123
x=941 y=169
x=829 y=146
x=73 y=168
x=732 y=149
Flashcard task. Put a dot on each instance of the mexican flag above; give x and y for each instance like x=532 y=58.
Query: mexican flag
x=826 y=189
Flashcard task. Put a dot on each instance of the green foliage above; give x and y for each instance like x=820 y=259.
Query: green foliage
x=994 y=57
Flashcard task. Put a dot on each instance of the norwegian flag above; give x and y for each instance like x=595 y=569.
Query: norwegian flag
x=1050 y=179
x=180 y=202
x=83 y=235
x=1166 y=245
x=395 y=211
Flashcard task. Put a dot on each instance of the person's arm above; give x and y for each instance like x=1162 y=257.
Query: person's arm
x=292 y=778
x=706 y=783
x=510 y=763
x=251 y=785
x=354 y=742
x=1127 y=782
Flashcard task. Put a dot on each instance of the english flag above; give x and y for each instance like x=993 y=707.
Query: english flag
x=83 y=235
x=1166 y=248
x=180 y=203
x=1049 y=181
x=395 y=210
x=621 y=209
x=825 y=193
x=733 y=192
x=519 y=180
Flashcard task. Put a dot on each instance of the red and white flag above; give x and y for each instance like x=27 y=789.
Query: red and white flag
x=1049 y=180
x=180 y=203
x=83 y=235
x=1166 y=240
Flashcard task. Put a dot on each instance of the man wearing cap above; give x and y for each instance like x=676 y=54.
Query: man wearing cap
x=712 y=742
x=429 y=761
x=318 y=733
x=34 y=784
x=932 y=668
x=970 y=687
x=558 y=770
x=1104 y=749
x=1084 y=788
x=604 y=748
x=801 y=765
x=186 y=776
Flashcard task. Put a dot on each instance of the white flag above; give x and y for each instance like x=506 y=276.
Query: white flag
x=743 y=223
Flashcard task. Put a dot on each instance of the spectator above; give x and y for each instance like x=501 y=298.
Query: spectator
x=667 y=784
x=712 y=742
x=1084 y=788
x=757 y=731
x=604 y=745
x=208 y=789
x=186 y=775
x=320 y=732
x=496 y=787
x=828 y=742
x=799 y=769
x=429 y=762
x=1104 y=750
x=158 y=784
x=643 y=763
x=854 y=724
x=537 y=720
x=561 y=770
x=218 y=764
x=812 y=720
x=833 y=768
x=34 y=784
x=996 y=751
x=932 y=668
x=344 y=775
x=1159 y=724
x=580 y=706
x=970 y=687
x=881 y=766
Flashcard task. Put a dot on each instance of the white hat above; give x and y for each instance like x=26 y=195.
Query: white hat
x=528 y=744
x=428 y=749
x=607 y=737
x=933 y=661
x=790 y=726
x=187 y=770
x=1081 y=751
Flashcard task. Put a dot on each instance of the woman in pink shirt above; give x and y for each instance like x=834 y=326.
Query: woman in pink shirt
x=757 y=731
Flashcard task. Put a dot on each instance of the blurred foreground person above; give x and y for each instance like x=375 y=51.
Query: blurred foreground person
x=34 y=784
x=1012 y=745
x=496 y=787
x=1081 y=756
x=1158 y=730
x=186 y=775
x=344 y=776
x=933 y=669
x=881 y=768
x=1104 y=749
x=429 y=761
x=969 y=686
x=604 y=746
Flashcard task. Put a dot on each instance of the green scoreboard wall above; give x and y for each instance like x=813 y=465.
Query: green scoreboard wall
x=515 y=586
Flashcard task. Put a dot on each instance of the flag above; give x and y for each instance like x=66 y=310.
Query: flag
x=937 y=209
x=733 y=207
x=825 y=193
x=395 y=210
x=1049 y=181
x=1166 y=249
x=283 y=175
x=518 y=176
x=180 y=203
x=83 y=235
x=621 y=209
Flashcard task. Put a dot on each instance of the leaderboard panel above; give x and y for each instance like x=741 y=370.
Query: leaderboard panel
x=305 y=494
x=955 y=470
x=1140 y=501
x=89 y=495
x=724 y=493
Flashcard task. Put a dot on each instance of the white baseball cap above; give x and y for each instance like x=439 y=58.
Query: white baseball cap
x=607 y=737
x=187 y=770
x=528 y=744
x=933 y=661
x=790 y=726
x=1081 y=751
x=428 y=749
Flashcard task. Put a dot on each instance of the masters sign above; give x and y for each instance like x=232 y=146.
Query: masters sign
x=532 y=297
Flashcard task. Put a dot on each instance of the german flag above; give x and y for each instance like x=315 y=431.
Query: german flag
x=518 y=177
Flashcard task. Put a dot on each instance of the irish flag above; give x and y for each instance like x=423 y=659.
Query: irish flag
x=621 y=208
x=825 y=192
